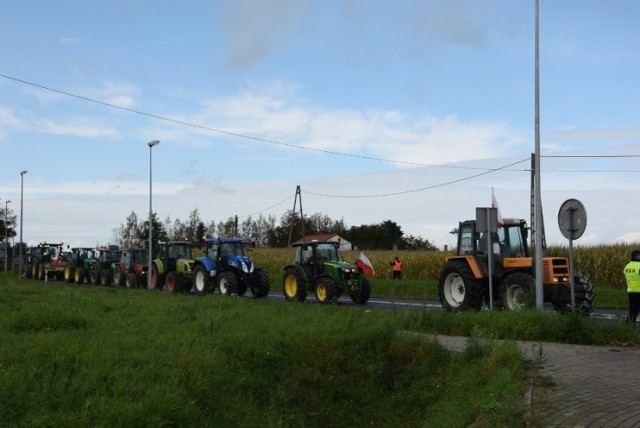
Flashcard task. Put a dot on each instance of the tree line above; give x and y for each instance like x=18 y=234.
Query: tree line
x=266 y=231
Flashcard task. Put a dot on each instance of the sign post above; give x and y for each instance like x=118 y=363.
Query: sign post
x=572 y=220
x=487 y=222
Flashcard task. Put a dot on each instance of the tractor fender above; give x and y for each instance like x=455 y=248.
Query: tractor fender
x=303 y=273
x=159 y=266
x=470 y=261
x=206 y=263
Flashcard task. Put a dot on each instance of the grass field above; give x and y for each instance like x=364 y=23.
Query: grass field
x=93 y=356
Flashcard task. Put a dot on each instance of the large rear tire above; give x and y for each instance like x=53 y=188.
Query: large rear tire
x=78 y=276
x=458 y=289
x=324 y=290
x=68 y=274
x=261 y=283
x=156 y=281
x=200 y=284
x=293 y=286
x=28 y=271
x=119 y=278
x=515 y=289
x=172 y=282
x=94 y=276
x=131 y=281
x=105 y=277
x=227 y=283
x=361 y=295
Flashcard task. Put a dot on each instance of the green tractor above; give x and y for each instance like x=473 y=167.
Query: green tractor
x=173 y=270
x=318 y=269
x=102 y=269
x=79 y=267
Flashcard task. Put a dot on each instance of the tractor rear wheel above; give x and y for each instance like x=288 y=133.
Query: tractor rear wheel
x=68 y=274
x=361 y=295
x=324 y=290
x=172 y=282
x=515 y=289
x=28 y=271
x=261 y=284
x=227 y=283
x=200 y=283
x=78 y=276
x=94 y=276
x=42 y=273
x=458 y=289
x=118 y=278
x=293 y=286
x=131 y=281
x=156 y=282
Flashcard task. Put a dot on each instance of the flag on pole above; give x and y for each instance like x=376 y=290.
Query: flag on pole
x=363 y=263
x=494 y=204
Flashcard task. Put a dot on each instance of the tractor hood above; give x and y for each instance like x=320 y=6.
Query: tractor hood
x=340 y=264
x=243 y=263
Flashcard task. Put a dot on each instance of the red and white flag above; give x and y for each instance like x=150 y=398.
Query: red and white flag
x=494 y=204
x=363 y=263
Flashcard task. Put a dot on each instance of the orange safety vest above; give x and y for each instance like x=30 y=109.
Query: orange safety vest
x=397 y=265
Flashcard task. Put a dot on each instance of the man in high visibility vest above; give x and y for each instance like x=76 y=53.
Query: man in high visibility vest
x=396 y=267
x=632 y=276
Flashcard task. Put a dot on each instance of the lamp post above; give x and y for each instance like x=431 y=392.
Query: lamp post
x=6 y=236
x=21 y=265
x=149 y=268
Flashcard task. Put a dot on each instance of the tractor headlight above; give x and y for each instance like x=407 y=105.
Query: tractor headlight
x=245 y=268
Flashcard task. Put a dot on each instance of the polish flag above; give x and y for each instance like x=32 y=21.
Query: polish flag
x=363 y=263
x=494 y=204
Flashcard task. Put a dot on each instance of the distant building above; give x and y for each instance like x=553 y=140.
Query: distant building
x=328 y=237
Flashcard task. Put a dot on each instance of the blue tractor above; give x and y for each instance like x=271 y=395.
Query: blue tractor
x=226 y=267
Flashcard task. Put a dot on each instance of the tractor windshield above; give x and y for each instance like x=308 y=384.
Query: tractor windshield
x=138 y=257
x=327 y=252
x=231 y=249
x=180 y=251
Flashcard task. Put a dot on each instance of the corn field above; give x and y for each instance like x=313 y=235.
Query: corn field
x=603 y=264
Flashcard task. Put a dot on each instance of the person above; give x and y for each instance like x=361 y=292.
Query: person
x=396 y=268
x=632 y=277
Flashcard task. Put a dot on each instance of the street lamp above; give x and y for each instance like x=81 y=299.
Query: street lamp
x=21 y=265
x=6 y=236
x=149 y=268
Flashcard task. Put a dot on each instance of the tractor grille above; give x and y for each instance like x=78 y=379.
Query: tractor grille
x=555 y=270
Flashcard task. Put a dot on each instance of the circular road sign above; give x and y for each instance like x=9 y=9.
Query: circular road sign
x=572 y=219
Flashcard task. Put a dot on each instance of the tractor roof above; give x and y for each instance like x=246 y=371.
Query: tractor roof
x=211 y=241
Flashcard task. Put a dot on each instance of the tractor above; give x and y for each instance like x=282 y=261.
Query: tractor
x=318 y=268
x=226 y=267
x=102 y=269
x=173 y=270
x=131 y=270
x=464 y=281
x=80 y=262
x=47 y=260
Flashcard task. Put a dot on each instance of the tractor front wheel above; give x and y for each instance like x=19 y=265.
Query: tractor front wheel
x=324 y=290
x=105 y=277
x=361 y=295
x=261 y=284
x=585 y=296
x=200 y=283
x=515 y=289
x=155 y=279
x=458 y=289
x=227 y=283
x=293 y=286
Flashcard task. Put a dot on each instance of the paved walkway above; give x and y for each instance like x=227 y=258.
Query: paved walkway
x=591 y=386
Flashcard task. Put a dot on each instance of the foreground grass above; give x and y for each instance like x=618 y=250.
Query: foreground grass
x=91 y=356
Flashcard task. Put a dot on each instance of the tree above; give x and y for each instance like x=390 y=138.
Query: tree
x=129 y=233
x=159 y=234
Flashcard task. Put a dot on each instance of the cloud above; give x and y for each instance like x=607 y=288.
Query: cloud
x=254 y=27
x=78 y=127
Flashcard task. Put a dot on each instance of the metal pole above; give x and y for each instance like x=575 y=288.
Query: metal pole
x=21 y=265
x=6 y=236
x=538 y=201
x=149 y=268
x=490 y=253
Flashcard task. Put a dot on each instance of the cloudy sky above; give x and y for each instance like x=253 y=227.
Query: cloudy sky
x=408 y=111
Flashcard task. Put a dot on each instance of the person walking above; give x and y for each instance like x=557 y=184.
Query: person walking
x=632 y=277
x=396 y=268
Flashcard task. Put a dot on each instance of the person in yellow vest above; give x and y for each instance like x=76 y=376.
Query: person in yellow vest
x=632 y=276
x=396 y=268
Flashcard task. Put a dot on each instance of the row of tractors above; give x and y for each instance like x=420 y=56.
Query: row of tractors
x=225 y=267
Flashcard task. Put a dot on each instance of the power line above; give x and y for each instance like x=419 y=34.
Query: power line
x=417 y=190
x=266 y=209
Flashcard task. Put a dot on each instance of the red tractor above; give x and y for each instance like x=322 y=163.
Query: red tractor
x=131 y=270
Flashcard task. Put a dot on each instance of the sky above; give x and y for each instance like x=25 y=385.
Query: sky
x=409 y=111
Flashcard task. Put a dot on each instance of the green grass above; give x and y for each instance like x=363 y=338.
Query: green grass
x=93 y=356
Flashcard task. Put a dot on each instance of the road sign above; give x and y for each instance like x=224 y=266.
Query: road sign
x=572 y=219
